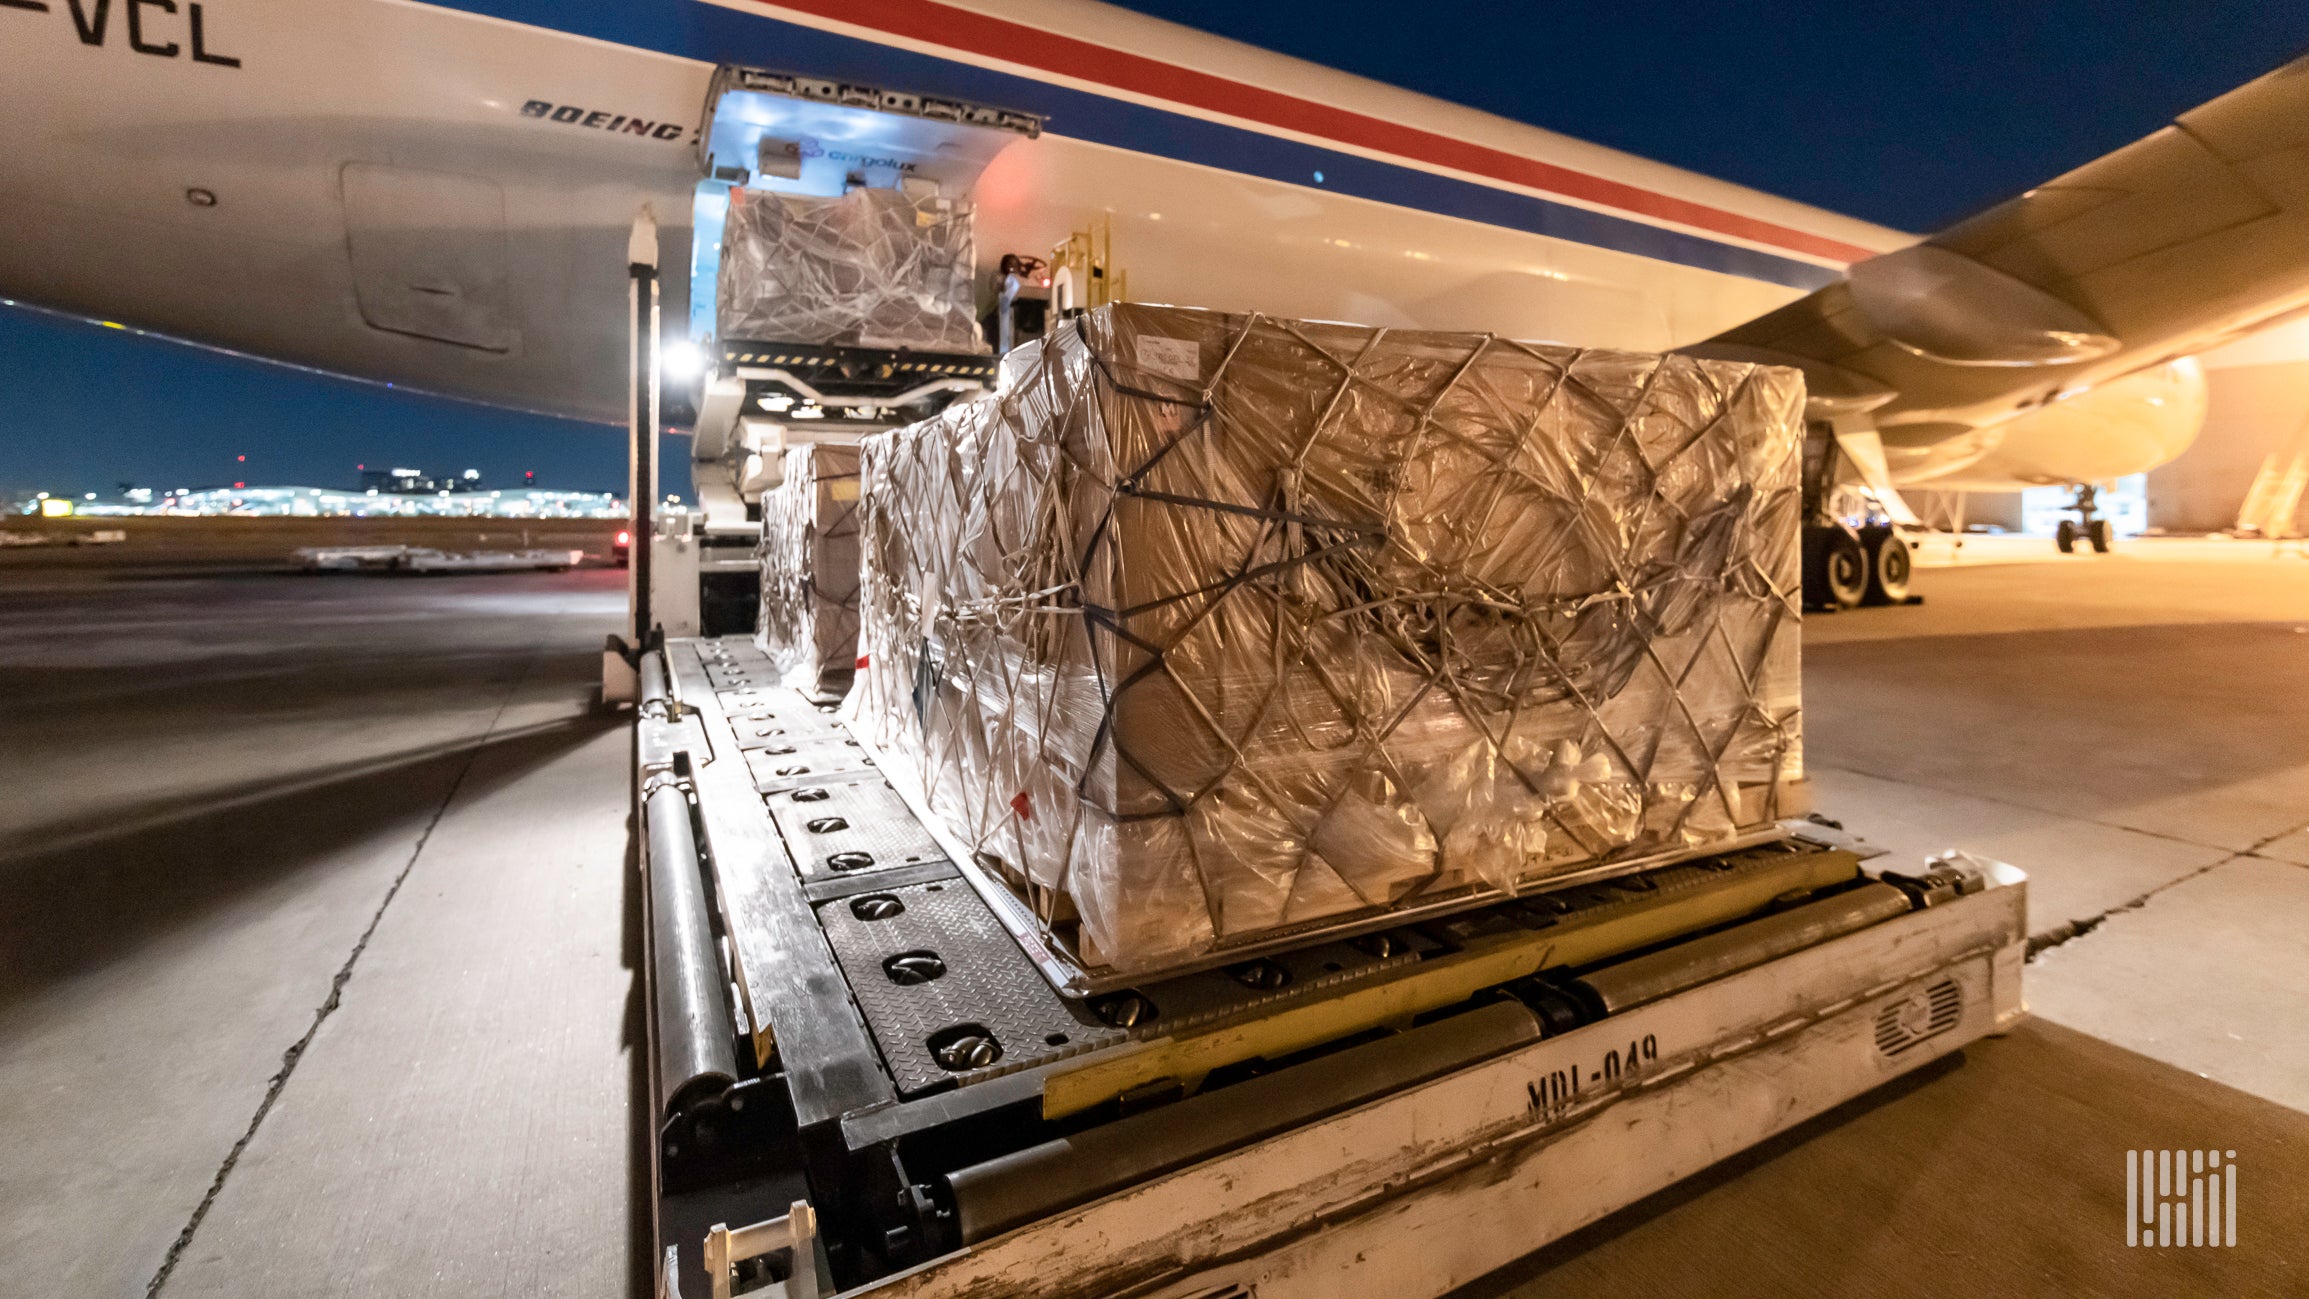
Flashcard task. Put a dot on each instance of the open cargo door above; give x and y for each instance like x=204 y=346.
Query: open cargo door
x=774 y=134
x=833 y=289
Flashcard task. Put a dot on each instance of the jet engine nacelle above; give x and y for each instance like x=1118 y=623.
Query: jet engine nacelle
x=2103 y=433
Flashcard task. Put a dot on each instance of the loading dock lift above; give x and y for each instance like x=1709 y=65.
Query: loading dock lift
x=864 y=1085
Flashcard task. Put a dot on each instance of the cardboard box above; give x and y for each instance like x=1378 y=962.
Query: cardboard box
x=809 y=555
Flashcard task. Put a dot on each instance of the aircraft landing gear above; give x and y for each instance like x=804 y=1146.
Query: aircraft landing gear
x=1888 y=565
x=1836 y=567
x=1845 y=567
x=2087 y=526
x=1847 y=563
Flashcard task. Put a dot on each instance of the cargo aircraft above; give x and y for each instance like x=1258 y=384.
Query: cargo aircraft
x=440 y=196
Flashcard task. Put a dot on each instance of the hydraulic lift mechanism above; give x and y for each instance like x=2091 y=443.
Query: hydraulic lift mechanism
x=866 y=1079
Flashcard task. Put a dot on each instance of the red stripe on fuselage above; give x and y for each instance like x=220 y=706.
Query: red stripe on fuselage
x=999 y=38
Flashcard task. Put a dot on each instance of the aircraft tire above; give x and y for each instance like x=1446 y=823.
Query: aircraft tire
x=2065 y=536
x=1890 y=565
x=2101 y=535
x=1836 y=568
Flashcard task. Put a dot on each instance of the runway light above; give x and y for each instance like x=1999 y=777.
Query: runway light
x=55 y=507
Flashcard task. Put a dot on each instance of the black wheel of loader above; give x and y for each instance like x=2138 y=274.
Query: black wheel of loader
x=2065 y=536
x=1889 y=566
x=2098 y=533
x=1835 y=567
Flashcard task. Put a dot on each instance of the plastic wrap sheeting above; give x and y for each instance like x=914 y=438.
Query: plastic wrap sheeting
x=1209 y=627
x=873 y=268
x=809 y=554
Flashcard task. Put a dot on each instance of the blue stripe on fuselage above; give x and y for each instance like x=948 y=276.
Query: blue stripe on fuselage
x=713 y=34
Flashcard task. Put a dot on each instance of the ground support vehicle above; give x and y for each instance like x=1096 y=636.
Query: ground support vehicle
x=864 y=1084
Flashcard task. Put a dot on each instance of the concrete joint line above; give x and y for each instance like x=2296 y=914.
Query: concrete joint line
x=328 y=1007
x=2031 y=807
x=2075 y=929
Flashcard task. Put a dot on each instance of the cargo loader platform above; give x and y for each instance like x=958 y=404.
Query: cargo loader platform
x=864 y=1082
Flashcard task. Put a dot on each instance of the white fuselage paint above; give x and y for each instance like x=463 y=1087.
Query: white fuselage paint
x=1190 y=235
x=93 y=193
x=439 y=200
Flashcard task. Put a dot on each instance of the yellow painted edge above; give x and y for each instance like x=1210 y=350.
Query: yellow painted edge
x=1433 y=985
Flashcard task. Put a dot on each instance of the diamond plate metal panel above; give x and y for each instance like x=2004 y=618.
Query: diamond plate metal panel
x=857 y=827
x=832 y=750
x=757 y=703
x=987 y=983
x=814 y=761
x=879 y=880
x=733 y=664
x=770 y=730
x=740 y=676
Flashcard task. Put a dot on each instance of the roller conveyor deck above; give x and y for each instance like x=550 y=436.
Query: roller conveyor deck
x=880 y=1078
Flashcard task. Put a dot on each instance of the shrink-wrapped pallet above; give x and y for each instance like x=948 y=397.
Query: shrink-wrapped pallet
x=873 y=268
x=809 y=555
x=1209 y=629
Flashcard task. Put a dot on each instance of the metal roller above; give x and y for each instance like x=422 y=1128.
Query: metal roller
x=696 y=1051
x=1663 y=973
x=1001 y=1193
x=656 y=697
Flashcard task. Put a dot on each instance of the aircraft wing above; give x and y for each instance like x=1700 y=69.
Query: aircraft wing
x=2170 y=245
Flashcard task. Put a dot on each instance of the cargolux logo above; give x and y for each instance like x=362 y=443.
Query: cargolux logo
x=2180 y=1197
x=809 y=148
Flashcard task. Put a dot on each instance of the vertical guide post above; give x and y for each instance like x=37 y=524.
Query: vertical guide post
x=641 y=484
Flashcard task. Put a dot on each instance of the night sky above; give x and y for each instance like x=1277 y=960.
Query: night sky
x=84 y=408
x=1911 y=119
x=1908 y=115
